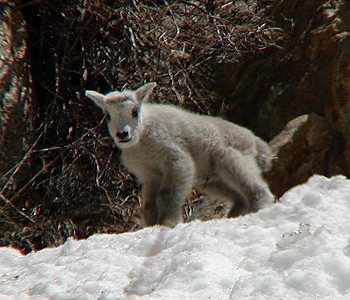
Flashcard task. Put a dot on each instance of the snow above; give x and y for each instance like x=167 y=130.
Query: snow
x=296 y=249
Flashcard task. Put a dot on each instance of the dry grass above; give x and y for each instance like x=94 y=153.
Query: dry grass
x=69 y=182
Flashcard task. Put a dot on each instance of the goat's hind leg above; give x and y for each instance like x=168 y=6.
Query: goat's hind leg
x=222 y=191
x=243 y=174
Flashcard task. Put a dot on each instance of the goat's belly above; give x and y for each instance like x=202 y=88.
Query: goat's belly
x=202 y=182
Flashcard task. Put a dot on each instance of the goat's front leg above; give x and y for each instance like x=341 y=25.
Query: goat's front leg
x=150 y=191
x=177 y=180
x=170 y=204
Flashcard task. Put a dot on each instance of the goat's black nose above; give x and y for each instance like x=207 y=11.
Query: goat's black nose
x=122 y=134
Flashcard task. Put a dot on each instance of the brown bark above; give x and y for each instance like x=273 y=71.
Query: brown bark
x=15 y=114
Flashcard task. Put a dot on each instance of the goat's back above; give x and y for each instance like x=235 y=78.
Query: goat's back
x=189 y=128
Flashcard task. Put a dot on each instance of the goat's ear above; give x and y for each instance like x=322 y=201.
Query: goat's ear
x=97 y=97
x=142 y=93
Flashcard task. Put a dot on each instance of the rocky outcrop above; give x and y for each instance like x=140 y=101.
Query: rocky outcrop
x=301 y=150
x=311 y=74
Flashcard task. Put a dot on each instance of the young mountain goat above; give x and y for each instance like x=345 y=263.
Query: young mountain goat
x=170 y=150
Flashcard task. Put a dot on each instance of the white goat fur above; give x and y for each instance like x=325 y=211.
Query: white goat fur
x=170 y=150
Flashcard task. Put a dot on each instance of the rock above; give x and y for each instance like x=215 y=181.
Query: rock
x=301 y=149
x=311 y=74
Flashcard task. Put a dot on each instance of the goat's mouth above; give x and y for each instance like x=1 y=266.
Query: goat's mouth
x=123 y=141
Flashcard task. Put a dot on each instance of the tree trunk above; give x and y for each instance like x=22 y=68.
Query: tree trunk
x=15 y=90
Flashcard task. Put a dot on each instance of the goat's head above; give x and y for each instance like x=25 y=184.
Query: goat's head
x=123 y=112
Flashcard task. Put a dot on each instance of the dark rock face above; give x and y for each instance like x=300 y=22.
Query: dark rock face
x=301 y=150
x=310 y=75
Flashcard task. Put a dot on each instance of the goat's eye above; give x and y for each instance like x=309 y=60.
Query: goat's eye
x=107 y=117
x=134 y=112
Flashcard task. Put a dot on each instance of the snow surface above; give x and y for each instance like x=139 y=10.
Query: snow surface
x=297 y=249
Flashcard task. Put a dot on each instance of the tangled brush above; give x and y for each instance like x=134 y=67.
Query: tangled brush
x=69 y=182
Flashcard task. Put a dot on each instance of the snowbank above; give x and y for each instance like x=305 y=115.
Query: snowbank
x=297 y=249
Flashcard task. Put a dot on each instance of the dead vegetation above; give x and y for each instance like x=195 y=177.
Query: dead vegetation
x=69 y=182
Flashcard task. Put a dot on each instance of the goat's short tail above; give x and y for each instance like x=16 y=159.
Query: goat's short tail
x=265 y=155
